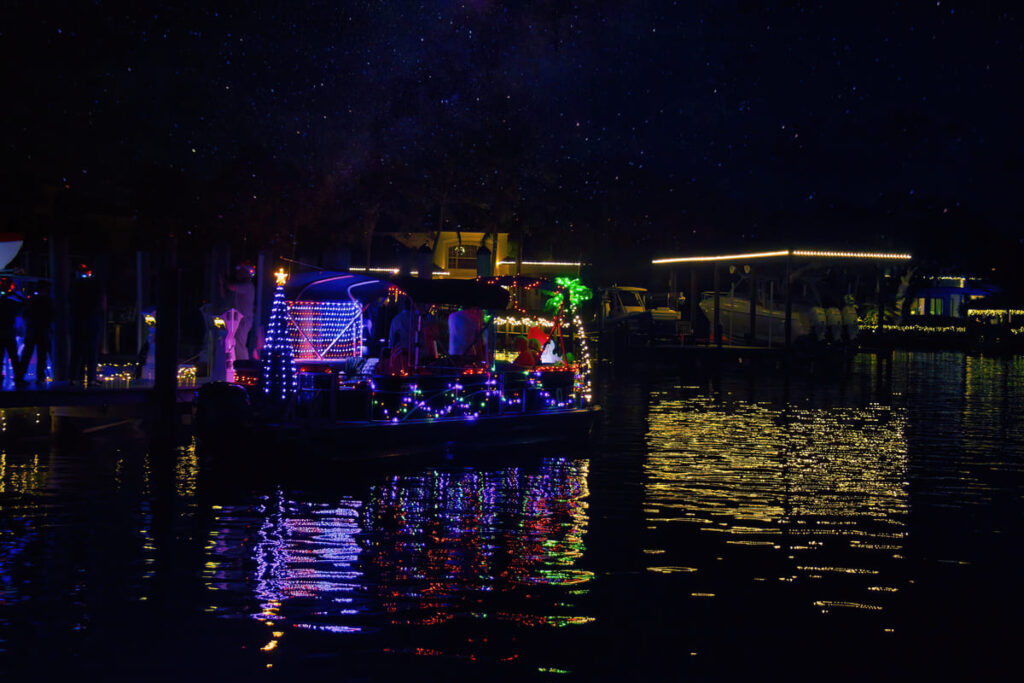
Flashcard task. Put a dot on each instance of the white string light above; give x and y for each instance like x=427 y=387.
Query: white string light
x=804 y=253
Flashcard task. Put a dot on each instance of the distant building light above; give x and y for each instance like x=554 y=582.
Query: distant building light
x=574 y=264
x=786 y=252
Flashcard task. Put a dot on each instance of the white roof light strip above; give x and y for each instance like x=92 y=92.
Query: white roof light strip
x=729 y=257
x=786 y=252
x=853 y=254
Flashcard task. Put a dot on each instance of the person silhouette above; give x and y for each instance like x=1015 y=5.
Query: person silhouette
x=9 y=309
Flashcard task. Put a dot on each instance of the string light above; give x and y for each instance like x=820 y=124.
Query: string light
x=805 y=253
x=314 y=332
x=729 y=257
x=279 y=375
x=926 y=329
x=525 y=320
x=125 y=372
x=578 y=292
x=325 y=330
x=392 y=270
x=480 y=393
x=854 y=254
x=994 y=312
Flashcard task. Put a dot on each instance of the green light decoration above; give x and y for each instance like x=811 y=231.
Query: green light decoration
x=578 y=293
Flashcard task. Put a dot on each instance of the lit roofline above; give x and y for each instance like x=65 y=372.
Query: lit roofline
x=508 y=262
x=786 y=252
x=855 y=254
x=729 y=257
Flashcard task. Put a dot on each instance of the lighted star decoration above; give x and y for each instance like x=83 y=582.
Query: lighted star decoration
x=281 y=276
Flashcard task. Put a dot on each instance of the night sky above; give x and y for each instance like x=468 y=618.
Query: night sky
x=658 y=127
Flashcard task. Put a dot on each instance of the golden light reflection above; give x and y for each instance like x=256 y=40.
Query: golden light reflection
x=819 y=484
x=186 y=470
x=21 y=475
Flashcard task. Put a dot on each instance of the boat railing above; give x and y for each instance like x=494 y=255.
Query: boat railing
x=466 y=395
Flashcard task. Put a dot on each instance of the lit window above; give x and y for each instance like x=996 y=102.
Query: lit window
x=462 y=256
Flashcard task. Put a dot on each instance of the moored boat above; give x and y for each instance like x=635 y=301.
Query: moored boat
x=362 y=366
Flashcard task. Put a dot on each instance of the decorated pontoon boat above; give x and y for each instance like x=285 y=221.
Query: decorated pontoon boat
x=381 y=366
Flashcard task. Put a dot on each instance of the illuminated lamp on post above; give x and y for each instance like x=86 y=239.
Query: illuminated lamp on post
x=218 y=370
x=149 y=367
x=280 y=379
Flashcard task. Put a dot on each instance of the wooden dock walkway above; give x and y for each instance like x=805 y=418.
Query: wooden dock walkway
x=63 y=394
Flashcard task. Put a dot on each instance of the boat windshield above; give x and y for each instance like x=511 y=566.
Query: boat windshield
x=631 y=299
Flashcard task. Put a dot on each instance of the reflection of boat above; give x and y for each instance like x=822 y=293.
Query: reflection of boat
x=414 y=549
x=331 y=376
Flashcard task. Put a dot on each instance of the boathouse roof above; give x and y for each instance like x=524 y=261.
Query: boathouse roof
x=800 y=254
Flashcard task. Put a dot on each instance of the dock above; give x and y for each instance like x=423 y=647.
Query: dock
x=92 y=408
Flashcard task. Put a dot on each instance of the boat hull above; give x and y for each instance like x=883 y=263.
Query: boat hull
x=821 y=324
x=362 y=440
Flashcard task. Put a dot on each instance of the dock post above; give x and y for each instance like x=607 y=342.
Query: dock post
x=693 y=303
x=880 y=300
x=753 y=308
x=165 y=384
x=141 y=296
x=163 y=412
x=716 y=327
x=60 y=272
x=789 y=305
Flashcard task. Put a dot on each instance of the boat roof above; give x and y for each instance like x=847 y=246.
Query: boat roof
x=470 y=293
x=326 y=285
x=342 y=286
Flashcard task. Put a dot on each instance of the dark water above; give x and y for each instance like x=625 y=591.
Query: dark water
x=822 y=528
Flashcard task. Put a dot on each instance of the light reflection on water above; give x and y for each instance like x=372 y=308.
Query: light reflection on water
x=422 y=550
x=783 y=482
x=747 y=519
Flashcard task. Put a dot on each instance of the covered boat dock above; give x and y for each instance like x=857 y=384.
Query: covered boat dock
x=780 y=266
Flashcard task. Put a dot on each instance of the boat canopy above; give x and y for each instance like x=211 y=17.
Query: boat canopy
x=468 y=293
x=337 y=286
